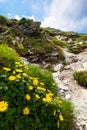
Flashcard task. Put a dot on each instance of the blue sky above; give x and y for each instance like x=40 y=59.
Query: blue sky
x=67 y=15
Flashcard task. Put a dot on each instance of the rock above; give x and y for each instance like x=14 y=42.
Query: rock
x=62 y=91
x=24 y=60
x=85 y=65
x=65 y=88
x=68 y=96
x=29 y=27
x=59 y=67
x=30 y=52
x=54 y=54
x=47 y=66
x=17 y=38
x=69 y=57
x=35 y=59
x=80 y=43
x=69 y=40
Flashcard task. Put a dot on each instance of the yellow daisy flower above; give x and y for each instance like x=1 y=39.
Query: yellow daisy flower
x=26 y=111
x=3 y=106
x=7 y=69
x=61 y=117
x=30 y=87
x=28 y=97
x=11 y=78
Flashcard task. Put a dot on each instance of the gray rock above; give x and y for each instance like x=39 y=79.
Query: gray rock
x=65 y=88
x=59 y=67
x=69 y=40
x=24 y=60
x=47 y=66
x=68 y=96
x=54 y=54
x=85 y=65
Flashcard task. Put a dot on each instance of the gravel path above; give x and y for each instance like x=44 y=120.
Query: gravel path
x=70 y=89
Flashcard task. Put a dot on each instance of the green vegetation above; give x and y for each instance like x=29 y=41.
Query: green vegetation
x=28 y=95
x=60 y=51
x=28 y=101
x=81 y=77
x=7 y=55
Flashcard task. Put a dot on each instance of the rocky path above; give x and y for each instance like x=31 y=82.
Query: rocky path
x=69 y=88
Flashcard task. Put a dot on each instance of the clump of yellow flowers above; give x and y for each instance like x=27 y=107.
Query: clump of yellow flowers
x=27 y=96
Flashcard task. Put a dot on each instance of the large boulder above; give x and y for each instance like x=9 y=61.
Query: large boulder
x=29 y=27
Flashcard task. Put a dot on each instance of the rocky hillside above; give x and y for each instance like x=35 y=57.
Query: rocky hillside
x=61 y=52
x=44 y=46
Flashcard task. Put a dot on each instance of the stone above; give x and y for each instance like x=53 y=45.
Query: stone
x=85 y=65
x=54 y=54
x=24 y=60
x=68 y=96
x=80 y=43
x=69 y=40
x=62 y=91
x=55 y=75
x=47 y=66
x=59 y=67
x=65 y=88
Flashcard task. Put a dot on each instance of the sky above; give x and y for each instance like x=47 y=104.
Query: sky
x=66 y=15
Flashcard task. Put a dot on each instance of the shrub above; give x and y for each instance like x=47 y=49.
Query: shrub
x=26 y=103
x=44 y=76
x=81 y=77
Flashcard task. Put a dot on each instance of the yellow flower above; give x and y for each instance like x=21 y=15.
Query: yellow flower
x=14 y=72
x=37 y=96
x=35 y=82
x=26 y=111
x=53 y=84
x=30 y=87
x=40 y=88
x=42 y=83
x=18 y=76
x=24 y=74
x=11 y=78
x=47 y=98
x=54 y=113
x=50 y=94
x=3 y=106
x=19 y=70
x=58 y=124
x=17 y=63
x=28 y=97
x=61 y=117
x=59 y=101
x=26 y=68
x=7 y=69
x=20 y=65
x=31 y=78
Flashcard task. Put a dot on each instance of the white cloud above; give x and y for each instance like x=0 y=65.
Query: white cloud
x=29 y=17
x=66 y=15
x=32 y=17
x=17 y=17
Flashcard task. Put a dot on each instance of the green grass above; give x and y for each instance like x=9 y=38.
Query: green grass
x=81 y=77
x=7 y=54
x=60 y=51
